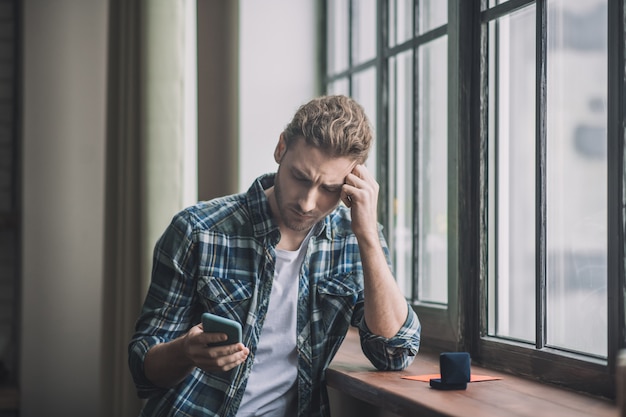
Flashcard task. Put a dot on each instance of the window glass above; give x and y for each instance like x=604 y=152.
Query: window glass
x=432 y=176
x=401 y=151
x=339 y=86
x=493 y=3
x=577 y=175
x=364 y=30
x=432 y=14
x=512 y=176
x=400 y=21
x=338 y=27
x=364 y=91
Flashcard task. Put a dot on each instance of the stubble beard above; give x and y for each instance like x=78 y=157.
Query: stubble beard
x=287 y=214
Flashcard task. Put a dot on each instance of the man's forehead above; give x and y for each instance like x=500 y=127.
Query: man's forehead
x=331 y=173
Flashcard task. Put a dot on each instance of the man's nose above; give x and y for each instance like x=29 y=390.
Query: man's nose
x=308 y=200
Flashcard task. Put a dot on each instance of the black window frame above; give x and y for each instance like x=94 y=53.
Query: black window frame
x=461 y=325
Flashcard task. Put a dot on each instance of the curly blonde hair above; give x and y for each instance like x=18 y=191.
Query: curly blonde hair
x=336 y=124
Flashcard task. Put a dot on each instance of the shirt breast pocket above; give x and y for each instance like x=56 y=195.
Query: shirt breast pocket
x=226 y=297
x=337 y=297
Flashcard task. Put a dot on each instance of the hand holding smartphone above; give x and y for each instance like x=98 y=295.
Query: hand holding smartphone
x=216 y=324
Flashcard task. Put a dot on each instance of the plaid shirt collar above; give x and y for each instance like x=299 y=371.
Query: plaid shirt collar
x=263 y=222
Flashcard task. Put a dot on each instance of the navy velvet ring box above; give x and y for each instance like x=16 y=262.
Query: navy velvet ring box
x=455 y=371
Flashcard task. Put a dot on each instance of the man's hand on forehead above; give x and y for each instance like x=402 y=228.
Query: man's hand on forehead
x=360 y=194
x=346 y=196
x=354 y=182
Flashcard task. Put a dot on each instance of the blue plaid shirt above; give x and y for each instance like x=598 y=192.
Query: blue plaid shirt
x=219 y=256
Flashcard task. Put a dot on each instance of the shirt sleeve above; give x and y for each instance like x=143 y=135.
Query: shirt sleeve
x=168 y=311
x=395 y=353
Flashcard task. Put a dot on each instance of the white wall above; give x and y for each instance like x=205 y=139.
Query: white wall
x=64 y=69
x=278 y=73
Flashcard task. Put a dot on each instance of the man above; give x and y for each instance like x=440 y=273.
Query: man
x=290 y=263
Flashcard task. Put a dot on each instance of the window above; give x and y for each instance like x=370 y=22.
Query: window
x=573 y=151
x=500 y=158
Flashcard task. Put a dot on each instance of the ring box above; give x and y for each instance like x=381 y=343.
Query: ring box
x=455 y=371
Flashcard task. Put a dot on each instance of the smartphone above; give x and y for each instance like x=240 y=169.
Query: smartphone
x=217 y=324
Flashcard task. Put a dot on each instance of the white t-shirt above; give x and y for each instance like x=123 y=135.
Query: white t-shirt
x=272 y=389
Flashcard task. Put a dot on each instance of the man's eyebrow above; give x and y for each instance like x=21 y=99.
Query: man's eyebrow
x=301 y=174
x=298 y=172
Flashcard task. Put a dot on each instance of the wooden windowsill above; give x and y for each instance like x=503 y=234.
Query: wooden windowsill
x=351 y=374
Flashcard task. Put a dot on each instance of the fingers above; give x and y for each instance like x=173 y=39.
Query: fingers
x=359 y=186
x=346 y=198
x=361 y=172
x=223 y=358
x=360 y=194
x=212 y=358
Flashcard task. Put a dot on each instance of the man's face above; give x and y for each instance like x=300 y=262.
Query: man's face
x=308 y=183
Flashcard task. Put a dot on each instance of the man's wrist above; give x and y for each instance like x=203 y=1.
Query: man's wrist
x=368 y=238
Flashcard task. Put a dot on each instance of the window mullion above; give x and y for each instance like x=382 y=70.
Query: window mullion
x=463 y=169
x=417 y=203
x=616 y=180
x=540 y=190
x=382 y=94
x=496 y=168
x=350 y=46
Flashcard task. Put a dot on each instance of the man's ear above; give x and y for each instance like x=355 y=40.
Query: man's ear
x=281 y=148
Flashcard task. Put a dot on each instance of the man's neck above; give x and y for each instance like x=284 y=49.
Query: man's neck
x=290 y=239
